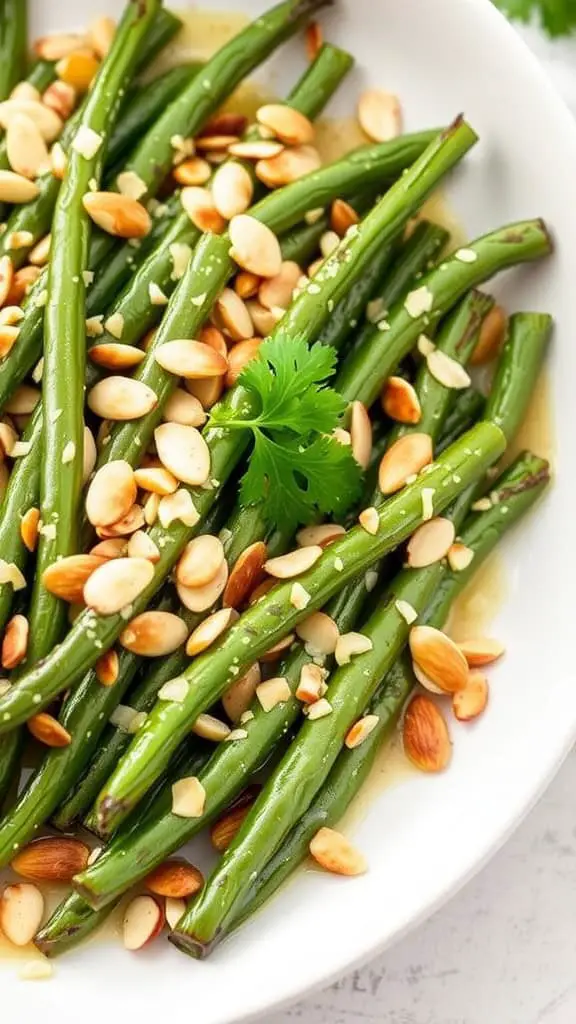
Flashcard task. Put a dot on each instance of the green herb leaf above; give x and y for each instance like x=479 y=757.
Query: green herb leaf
x=558 y=17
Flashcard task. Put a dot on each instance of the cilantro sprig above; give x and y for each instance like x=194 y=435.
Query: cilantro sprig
x=296 y=466
x=558 y=17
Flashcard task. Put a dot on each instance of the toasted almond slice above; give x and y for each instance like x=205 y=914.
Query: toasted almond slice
x=360 y=731
x=289 y=125
x=177 y=506
x=15 y=188
x=117 y=583
x=379 y=115
x=25 y=147
x=52 y=859
x=472 y=700
x=23 y=401
x=25 y=91
x=6 y=278
x=118 y=215
x=254 y=246
x=29 y=528
x=78 y=69
x=491 y=336
x=425 y=735
x=319 y=632
x=58 y=45
x=238 y=697
x=132 y=521
x=21 y=912
x=154 y=634
x=185 y=409
x=113 y=356
x=288 y=166
x=209 y=630
x=66 y=577
x=111 y=493
x=264 y=320
x=342 y=217
x=246 y=284
x=408 y=455
x=121 y=398
x=107 y=668
x=200 y=599
x=15 y=641
x=175 y=879
x=115 y=547
x=214 y=338
x=322 y=535
x=256 y=149
x=61 y=98
x=8 y=438
x=400 y=401
x=239 y=356
x=156 y=479
x=101 y=33
x=188 y=798
x=480 y=651
x=245 y=575
x=46 y=120
x=151 y=506
x=295 y=562
x=261 y=590
x=23 y=279
x=276 y=292
x=58 y=160
x=447 y=371
x=184 y=452
x=311 y=683
x=219 y=143
x=225 y=828
x=199 y=206
x=232 y=189
x=275 y=653
x=190 y=359
x=370 y=520
x=141 y=545
x=272 y=692
x=335 y=853
x=349 y=645
x=232 y=314
x=143 y=921
x=48 y=730
x=210 y=728
x=39 y=254
x=200 y=561
x=430 y=543
x=361 y=434
x=226 y=122
x=195 y=171
x=459 y=557
x=439 y=657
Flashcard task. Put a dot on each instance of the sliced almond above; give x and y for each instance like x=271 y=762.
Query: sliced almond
x=407 y=456
x=238 y=358
x=67 y=577
x=113 y=356
x=264 y=320
x=361 y=434
x=238 y=697
x=246 y=284
x=52 y=859
x=118 y=215
x=195 y=171
x=226 y=827
x=115 y=547
x=200 y=599
x=232 y=189
x=214 y=338
x=29 y=528
x=61 y=98
x=261 y=590
x=46 y=120
x=6 y=278
x=141 y=545
x=323 y=535
x=23 y=401
x=199 y=206
x=272 y=692
x=425 y=735
x=25 y=147
x=177 y=507
x=121 y=398
x=39 y=254
x=188 y=798
x=200 y=561
x=255 y=149
x=425 y=681
x=117 y=583
x=400 y=401
x=294 y=563
x=430 y=543
x=245 y=575
x=289 y=125
x=447 y=371
x=59 y=161
x=480 y=651
x=89 y=455
x=8 y=438
x=78 y=69
x=58 y=45
x=216 y=144
x=319 y=632
x=15 y=641
x=491 y=336
x=311 y=684
x=370 y=520
x=210 y=728
x=349 y=645
x=156 y=479
x=15 y=188
x=184 y=452
x=459 y=557
x=101 y=33
x=360 y=731
x=21 y=282
x=472 y=700
x=209 y=630
x=439 y=657
x=111 y=494
x=151 y=507
x=254 y=246
x=25 y=91
x=8 y=338
x=190 y=359
x=288 y=166
x=379 y=114
x=129 y=523
x=175 y=879
x=21 y=912
x=48 y=730
x=276 y=292
x=143 y=921
x=278 y=650
x=184 y=408
x=107 y=668
x=342 y=217
x=154 y=634
x=335 y=853
x=174 y=910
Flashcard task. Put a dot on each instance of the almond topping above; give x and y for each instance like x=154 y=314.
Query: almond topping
x=21 y=912
x=288 y=166
x=143 y=921
x=439 y=658
x=195 y=171
x=174 y=910
x=491 y=336
x=246 y=284
x=272 y=692
x=400 y=401
x=115 y=547
x=184 y=408
x=208 y=631
x=15 y=188
x=320 y=633
x=199 y=206
x=360 y=731
x=319 y=709
x=425 y=735
x=459 y=557
x=141 y=545
x=481 y=651
x=121 y=398
x=447 y=371
x=175 y=879
x=264 y=320
x=8 y=337
x=210 y=728
x=295 y=562
x=370 y=520
x=232 y=315
x=184 y=452
x=39 y=254
x=311 y=683
x=256 y=149
x=53 y=859
x=275 y=653
x=101 y=34
x=23 y=279
x=361 y=434
x=118 y=215
x=56 y=46
x=288 y=125
x=47 y=730
x=238 y=697
x=342 y=217
x=277 y=291
x=254 y=246
x=245 y=574
x=154 y=634
x=200 y=599
x=191 y=359
x=200 y=561
x=225 y=828
x=188 y=798
x=132 y=521
x=25 y=147
x=177 y=506
x=113 y=356
x=472 y=700
x=117 y=584
x=67 y=577
x=405 y=609
x=15 y=641
x=239 y=356
x=430 y=543
x=107 y=668
x=408 y=455
x=232 y=189
x=349 y=645
x=322 y=535
x=155 y=479
x=46 y=120
x=29 y=528
x=379 y=115
x=335 y=853
x=216 y=145
x=111 y=493
x=6 y=278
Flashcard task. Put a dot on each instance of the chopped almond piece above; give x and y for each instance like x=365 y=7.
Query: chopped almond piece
x=335 y=853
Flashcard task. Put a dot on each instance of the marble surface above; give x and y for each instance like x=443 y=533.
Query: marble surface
x=503 y=951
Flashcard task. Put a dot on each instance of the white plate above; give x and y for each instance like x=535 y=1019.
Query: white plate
x=423 y=838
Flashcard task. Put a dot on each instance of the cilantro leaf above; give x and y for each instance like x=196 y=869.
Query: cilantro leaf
x=558 y=17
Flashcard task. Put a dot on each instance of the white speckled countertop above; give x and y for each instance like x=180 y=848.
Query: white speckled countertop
x=503 y=951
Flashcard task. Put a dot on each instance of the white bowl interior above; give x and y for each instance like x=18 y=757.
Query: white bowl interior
x=426 y=835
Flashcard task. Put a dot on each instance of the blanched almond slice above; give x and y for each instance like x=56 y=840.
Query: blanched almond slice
x=15 y=641
x=472 y=700
x=239 y=356
x=210 y=728
x=408 y=455
x=400 y=401
x=23 y=401
x=289 y=125
x=430 y=542
x=273 y=692
x=52 y=859
x=200 y=561
x=29 y=528
x=8 y=338
x=111 y=493
x=447 y=371
x=6 y=278
x=184 y=408
x=143 y=921
x=276 y=292
x=349 y=645
x=66 y=577
x=491 y=337
x=215 y=144
x=61 y=98
x=439 y=657
x=177 y=506
x=481 y=651
x=191 y=359
x=107 y=668
x=195 y=171
x=25 y=147
x=425 y=735
x=361 y=434
x=238 y=697
x=41 y=251
x=319 y=632
x=295 y=562
x=25 y=91
x=256 y=149
x=121 y=398
x=254 y=246
x=118 y=215
x=322 y=535
x=115 y=547
x=200 y=599
x=101 y=34
x=89 y=455
x=232 y=189
x=379 y=115
x=21 y=912
x=156 y=479
x=154 y=634
x=342 y=217
x=288 y=166
x=58 y=45
x=141 y=545
x=311 y=683
x=232 y=314
x=113 y=356
x=188 y=798
x=226 y=827
x=199 y=205
x=245 y=574
x=117 y=584
x=15 y=188
x=132 y=521
x=370 y=520
x=299 y=597
x=175 y=879
x=459 y=557
x=328 y=244
x=48 y=730
x=46 y=120
x=335 y=853
x=174 y=910
x=208 y=631
x=360 y=731
x=264 y=320
x=23 y=279
x=184 y=452
x=215 y=339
